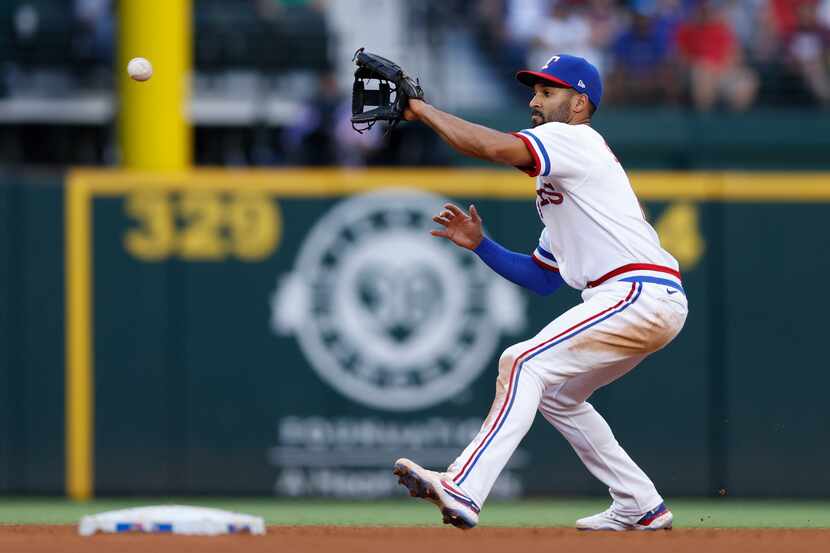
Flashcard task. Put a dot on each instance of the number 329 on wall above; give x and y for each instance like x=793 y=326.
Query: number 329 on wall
x=202 y=225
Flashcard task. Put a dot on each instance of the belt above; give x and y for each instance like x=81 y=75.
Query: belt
x=655 y=280
x=642 y=267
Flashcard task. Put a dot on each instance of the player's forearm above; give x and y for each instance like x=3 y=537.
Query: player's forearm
x=469 y=138
x=518 y=268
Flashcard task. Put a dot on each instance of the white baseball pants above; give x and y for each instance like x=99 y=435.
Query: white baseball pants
x=592 y=344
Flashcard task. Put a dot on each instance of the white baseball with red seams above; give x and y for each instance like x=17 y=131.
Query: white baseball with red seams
x=634 y=304
x=140 y=69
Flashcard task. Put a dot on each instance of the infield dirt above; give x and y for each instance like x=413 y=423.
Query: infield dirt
x=338 y=539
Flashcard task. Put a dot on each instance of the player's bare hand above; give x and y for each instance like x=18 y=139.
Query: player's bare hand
x=463 y=229
x=413 y=110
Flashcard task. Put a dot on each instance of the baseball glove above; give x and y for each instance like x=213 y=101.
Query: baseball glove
x=392 y=82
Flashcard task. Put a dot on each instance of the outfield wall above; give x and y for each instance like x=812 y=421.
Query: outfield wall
x=294 y=332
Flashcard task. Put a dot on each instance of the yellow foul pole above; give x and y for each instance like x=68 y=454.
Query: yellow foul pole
x=154 y=130
x=154 y=134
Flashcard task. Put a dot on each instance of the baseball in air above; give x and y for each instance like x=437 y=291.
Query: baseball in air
x=139 y=69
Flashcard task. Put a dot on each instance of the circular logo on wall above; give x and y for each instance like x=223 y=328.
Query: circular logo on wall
x=388 y=315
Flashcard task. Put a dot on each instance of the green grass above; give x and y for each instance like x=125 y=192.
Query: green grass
x=689 y=513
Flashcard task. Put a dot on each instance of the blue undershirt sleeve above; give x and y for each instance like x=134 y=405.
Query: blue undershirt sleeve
x=518 y=268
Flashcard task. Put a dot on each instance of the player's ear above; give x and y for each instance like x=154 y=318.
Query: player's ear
x=580 y=103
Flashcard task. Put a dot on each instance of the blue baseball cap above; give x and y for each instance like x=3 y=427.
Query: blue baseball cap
x=569 y=71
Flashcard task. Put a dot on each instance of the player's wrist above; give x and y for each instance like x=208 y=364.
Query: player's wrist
x=417 y=106
x=482 y=246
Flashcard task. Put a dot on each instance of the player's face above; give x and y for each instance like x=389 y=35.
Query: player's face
x=551 y=104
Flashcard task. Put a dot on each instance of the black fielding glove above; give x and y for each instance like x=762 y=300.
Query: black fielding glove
x=392 y=82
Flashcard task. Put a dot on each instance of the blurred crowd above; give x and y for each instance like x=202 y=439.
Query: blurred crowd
x=708 y=53
x=276 y=75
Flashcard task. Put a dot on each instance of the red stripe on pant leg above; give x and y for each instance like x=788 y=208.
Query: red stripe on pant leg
x=495 y=422
x=513 y=371
x=455 y=490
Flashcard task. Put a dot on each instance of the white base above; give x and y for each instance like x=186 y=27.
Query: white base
x=172 y=519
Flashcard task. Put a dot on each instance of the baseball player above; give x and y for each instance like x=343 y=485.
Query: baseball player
x=595 y=239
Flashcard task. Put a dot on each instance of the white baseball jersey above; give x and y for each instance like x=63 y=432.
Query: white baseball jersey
x=595 y=233
x=595 y=230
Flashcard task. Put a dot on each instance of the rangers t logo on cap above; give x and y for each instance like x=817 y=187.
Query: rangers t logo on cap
x=568 y=71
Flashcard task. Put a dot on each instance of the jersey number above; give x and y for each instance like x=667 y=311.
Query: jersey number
x=547 y=195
